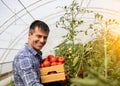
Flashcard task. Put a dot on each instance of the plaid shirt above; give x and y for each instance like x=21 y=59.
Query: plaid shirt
x=26 y=67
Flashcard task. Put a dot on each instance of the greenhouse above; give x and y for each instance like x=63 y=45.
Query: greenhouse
x=84 y=40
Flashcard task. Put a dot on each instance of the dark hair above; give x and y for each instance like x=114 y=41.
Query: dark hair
x=40 y=24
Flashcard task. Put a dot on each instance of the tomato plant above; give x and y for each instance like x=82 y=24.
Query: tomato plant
x=97 y=56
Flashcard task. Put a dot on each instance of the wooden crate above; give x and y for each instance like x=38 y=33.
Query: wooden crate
x=46 y=77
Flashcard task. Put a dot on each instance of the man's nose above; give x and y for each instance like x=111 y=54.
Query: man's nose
x=42 y=39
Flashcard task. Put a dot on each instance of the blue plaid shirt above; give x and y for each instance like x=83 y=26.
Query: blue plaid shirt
x=26 y=67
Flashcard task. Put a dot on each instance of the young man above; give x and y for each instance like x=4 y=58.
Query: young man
x=26 y=62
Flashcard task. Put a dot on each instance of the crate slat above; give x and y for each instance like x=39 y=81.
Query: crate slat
x=57 y=68
x=57 y=76
x=52 y=77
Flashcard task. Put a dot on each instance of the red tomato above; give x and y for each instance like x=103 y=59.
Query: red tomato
x=59 y=63
x=50 y=56
x=57 y=57
x=46 y=63
x=61 y=59
x=41 y=65
x=53 y=59
x=53 y=63
x=44 y=59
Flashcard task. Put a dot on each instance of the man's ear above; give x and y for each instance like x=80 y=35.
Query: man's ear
x=29 y=34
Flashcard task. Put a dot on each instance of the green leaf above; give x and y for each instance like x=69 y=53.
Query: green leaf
x=84 y=82
x=86 y=32
x=75 y=61
x=91 y=26
x=80 y=22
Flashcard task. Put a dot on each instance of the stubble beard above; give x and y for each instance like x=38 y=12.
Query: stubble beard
x=37 y=44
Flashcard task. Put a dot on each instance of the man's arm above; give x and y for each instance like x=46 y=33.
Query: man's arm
x=27 y=72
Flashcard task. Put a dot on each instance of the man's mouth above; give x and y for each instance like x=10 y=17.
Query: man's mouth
x=38 y=43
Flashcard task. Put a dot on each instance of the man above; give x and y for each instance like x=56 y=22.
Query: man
x=26 y=62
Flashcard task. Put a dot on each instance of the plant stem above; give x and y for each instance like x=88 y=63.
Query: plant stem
x=81 y=61
x=105 y=51
x=72 y=26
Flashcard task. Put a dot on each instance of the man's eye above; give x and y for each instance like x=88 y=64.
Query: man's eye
x=39 y=36
x=45 y=37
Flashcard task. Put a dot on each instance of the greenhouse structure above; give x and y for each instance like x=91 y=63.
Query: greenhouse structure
x=85 y=33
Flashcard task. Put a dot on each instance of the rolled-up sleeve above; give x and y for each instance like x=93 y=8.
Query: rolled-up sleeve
x=27 y=72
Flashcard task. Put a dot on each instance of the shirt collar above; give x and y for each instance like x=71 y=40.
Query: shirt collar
x=32 y=50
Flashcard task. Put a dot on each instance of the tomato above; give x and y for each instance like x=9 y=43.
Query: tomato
x=61 y=59
x=53 y=59
x=53 y=63
x=41 y=65
x=46 y=63
x=50 y=56
x=44 y=59
x=57 y=57
x=59 y=63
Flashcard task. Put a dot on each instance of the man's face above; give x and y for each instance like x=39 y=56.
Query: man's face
x=37 y=39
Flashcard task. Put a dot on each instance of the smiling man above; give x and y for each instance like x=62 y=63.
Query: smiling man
x=26 y=62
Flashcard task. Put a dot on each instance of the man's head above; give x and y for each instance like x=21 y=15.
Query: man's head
x=38 y=34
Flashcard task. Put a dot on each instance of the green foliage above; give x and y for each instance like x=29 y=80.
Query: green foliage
x=71 y=60
x=73 y=53
x=11 y=84
x=94 y=79
x=96 y=62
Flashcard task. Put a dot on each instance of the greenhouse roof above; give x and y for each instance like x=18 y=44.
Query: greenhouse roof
x=17 y=15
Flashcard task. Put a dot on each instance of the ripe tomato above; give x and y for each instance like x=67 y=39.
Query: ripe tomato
x=57 y=57
x=46 y=63
x=59 y=63
x=41 y=65
x=50 y=56
x=44 y=59
x=53 y=59
x=61 y=59
x=53 y=63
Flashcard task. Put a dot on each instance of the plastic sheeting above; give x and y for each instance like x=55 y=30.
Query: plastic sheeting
x=17 y=15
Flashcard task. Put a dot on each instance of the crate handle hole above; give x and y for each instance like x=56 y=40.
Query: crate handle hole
x=52 y=72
